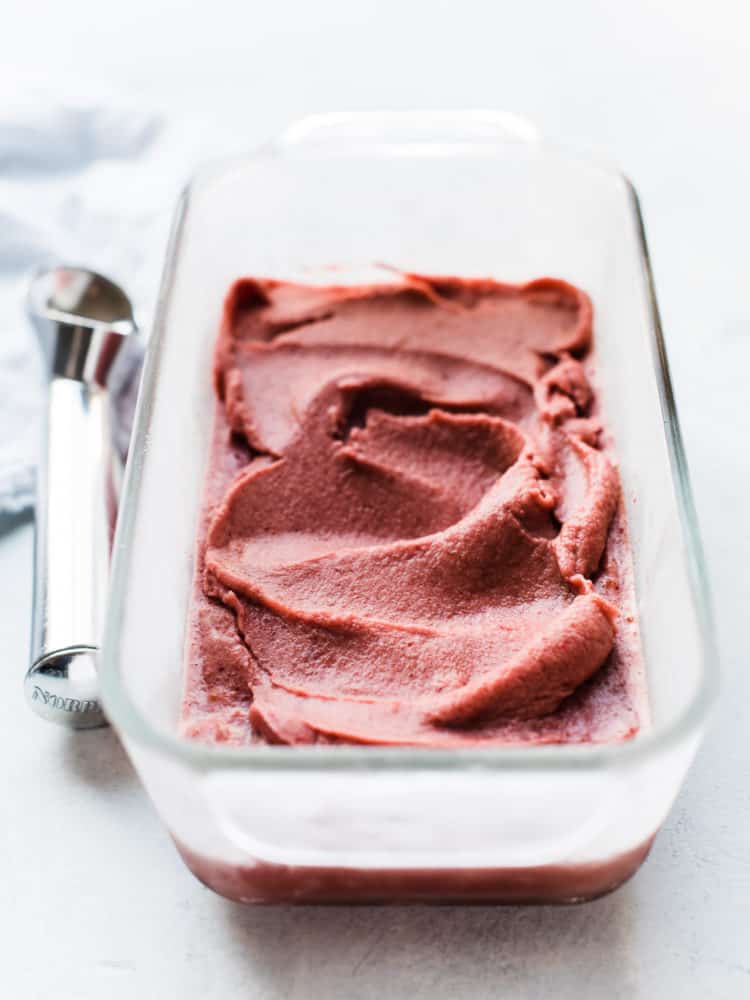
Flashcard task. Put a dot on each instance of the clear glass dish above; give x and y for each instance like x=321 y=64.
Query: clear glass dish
x=471 y=193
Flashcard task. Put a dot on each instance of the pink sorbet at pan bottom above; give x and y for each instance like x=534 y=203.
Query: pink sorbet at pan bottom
x=263 y=882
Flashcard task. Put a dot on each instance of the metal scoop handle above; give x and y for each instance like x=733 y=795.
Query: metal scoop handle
x=76 y=489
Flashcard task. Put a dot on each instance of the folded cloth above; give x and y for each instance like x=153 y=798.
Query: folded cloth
x=87 y=183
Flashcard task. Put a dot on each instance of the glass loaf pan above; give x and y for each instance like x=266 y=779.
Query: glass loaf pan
x=467 y=193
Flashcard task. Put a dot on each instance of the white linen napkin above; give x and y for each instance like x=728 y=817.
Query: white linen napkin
x=86 y=182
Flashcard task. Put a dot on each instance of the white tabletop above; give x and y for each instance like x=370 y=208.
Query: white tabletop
x=94 y=900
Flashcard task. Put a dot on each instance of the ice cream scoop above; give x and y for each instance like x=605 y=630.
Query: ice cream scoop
x=86 y=329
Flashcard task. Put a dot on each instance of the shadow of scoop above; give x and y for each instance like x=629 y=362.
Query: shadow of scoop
x=96 y=757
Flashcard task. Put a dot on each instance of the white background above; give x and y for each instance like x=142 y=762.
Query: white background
x=93 y=899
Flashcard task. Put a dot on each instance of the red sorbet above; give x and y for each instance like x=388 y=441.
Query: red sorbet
x=412 y=529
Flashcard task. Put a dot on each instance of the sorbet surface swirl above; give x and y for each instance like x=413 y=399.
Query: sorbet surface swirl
x=413 y=530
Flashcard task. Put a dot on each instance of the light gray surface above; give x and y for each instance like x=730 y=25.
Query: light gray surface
x=94 y=901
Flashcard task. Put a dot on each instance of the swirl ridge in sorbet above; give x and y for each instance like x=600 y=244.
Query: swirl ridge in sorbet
x=413 y=530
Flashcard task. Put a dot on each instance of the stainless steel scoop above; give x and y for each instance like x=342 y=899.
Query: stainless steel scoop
x=86 y=329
